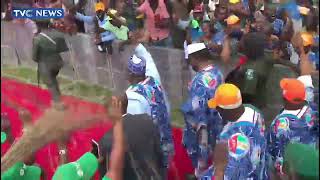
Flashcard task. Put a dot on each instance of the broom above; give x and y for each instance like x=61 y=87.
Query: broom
x=53 y=125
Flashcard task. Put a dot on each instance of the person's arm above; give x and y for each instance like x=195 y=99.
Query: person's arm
x=108 y=37
x=239 y=9
x=220 y=160
x=35 y=49
x=86 y=19
x=118 y=147
x=118 y=20
x=145 y=37
x=200 y=116
x=62 y=44
x=117 y=153
x=306 y=69
x=226 y=50
x=151 y=69
x=62 y=148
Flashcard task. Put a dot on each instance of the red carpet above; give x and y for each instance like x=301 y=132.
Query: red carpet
x=36 y=100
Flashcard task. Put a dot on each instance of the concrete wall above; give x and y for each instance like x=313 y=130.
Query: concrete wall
x=84 y=62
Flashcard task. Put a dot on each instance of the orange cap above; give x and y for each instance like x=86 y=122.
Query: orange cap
x=303 y=10
x=99 y=6
x=234 y=1
x=293 y=90
x=227 y=96
x=307 y=39
x=232 y=19
x=140 y=16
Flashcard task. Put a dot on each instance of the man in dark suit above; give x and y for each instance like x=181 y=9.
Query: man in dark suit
x=47 y=46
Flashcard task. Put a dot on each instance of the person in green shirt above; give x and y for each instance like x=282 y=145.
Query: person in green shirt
x=82 y=169
x=252 y=75
x=3 y=137
x=301 y=162
x=48 y=43
x=22 y=172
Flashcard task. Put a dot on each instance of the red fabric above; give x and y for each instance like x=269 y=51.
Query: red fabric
x=4 y=147
x=36 y=100
x=242 y=61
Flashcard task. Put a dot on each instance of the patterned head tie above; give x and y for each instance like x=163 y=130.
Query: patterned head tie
x=137 y=65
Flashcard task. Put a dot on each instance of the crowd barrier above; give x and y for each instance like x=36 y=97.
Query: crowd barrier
x=84 y=62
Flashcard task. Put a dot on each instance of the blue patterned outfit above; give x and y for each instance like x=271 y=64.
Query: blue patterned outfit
x=245 y=139
x=278 y=26
x=197 y=115
x=152 y=91
x=297 y=126
x=314 y=55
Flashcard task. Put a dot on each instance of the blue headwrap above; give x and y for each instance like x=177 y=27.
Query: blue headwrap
x=137 y=65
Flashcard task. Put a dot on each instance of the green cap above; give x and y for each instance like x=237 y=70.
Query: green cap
x=106 y=178
x=22 y=172
x=195 y=24
x=84 y=168
x=302 y=159
x=3 y=137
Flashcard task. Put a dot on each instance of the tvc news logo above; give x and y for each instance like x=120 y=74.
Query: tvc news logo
x=38 y=13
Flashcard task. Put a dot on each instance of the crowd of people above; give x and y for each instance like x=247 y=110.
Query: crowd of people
x=227 y=132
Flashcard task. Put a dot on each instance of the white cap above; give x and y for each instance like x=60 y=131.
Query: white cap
x=192 y=48
x=306 y=80
x=185 y=46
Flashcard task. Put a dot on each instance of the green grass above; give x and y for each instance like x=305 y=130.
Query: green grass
x=80 y=89
x=177 y=117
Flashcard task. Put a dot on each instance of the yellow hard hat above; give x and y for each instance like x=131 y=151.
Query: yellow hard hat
x=307 y=39
x=113 y=11
x=227 y=96
x=303 y=10
x=99 y=6
x=140 y=16
x=233 y=19
x=234 y=1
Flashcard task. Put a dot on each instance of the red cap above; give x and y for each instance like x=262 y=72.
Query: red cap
x=293 y=90
x=198 y=8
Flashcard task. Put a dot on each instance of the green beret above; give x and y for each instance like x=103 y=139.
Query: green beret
x=302 y=159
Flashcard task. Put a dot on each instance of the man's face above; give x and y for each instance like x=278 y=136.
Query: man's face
x=120 y=6
x=259 y=24
x=223 y=114
x=193 y=64
x=222 y=14
x=270 y=13
x=100 y=14
x=206 y=28
x=235 y=27
x=129 y=77
x=198 y=16
x=235 y=31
